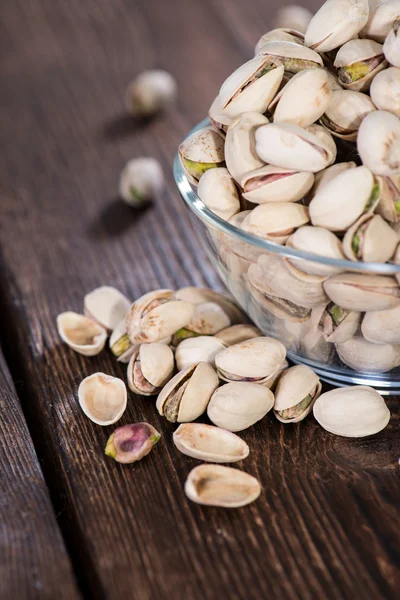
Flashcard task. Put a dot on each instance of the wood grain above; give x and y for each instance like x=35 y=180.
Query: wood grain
x=327 y=524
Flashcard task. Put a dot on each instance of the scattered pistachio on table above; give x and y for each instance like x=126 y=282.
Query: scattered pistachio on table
x=141 y=180
x=150 y=92
x=131 y=443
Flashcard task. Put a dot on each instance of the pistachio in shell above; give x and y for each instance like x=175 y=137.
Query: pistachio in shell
x=337 y=324
x=378 y=142
x=81 y=334
x=318 y=241
x=219 y=121
x=382 y=327
x=198 y=349
x=149 y=368
x=380 y=20
x=297 y=390
x=240 y=145
x=238 y=333
x=358 y=62
x=275 y=221
x=283 y=34
x=201 y=151
x=367 y=357
x=326 y=175
x=370 y=239
x=199 y=295
x=208 y=318
x=107 y=306
x=345 y=113
x=391 y=45
x=389 y=199
x=276 y=184
x=363 y=293
x=293 y=56
x=218 y=192
x=209 y=443
x=385 y=90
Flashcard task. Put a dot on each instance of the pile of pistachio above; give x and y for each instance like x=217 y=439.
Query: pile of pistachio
x=195 y=350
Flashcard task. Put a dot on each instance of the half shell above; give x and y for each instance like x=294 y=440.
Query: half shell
x=81 y=334
x=237 y=406
x=107 y=306
x=209 y=443
x=102 y=398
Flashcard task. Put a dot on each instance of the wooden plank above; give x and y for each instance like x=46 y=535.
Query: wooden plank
x=34 y=562
x=327 y=523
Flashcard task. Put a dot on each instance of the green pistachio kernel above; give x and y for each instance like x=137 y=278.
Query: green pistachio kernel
x=354 y=72
x=337 y=313
x=397 y=206
x=355 y=244
x=135 y=195
x=376 y=190
x=265 y=70
x=121 y=345
x=183 y=334
x=295 y=411
x=197 y=169
x=295 y=65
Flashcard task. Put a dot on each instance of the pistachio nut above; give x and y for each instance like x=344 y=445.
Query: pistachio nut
x=107 y=306
x=344 y=199
x=378 y=142
x=131 y=443
x=219 y=120
x=251 y=87
x=157 y=315
x=240 y=146
x=382 y=327
x=197 y=349
x=385 y=90
x=355 y=411
x=239 y=405
x=326 y=175
x=294 y=16
x=235 y=334
x=319 y=241
x=275 y=221
x=102 y=398
x=275 y=184
x=150 y=92
x=304 y=99
x=314 y=346
x=272 y=381
x=324 y=137
x=335 y=23
x=215 y=485
x=381 y=20
x=297 y=390
x=292 y=147
x=281 y=34
x=337 y=324
x=292 y=56
x=391 y=46
x=81 y=334
x=197 y=295
x=120 y=344
x=208 y=318
x=370 y=239
x=202 y=150
x=185 y=397
x=357 y=62
x=209 y=443
x=234 y=264
x=345 y=113
x=218 y=192
x=363 y=293
x=364 y=356
x=141 y=180
x=149 y=368
x=255 y=360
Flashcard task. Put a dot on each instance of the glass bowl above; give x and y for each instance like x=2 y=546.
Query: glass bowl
x=233 y=252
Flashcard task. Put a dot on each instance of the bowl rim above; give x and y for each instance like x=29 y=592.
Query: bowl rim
x=205 y=214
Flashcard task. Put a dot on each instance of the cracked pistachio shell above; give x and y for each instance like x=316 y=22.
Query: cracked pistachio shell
x=275 y=184
x=219 y=120
x=156 y=315
x=355 y=291
x=251 y=87
x=385 y=90
x=235 y=334
x=292 y=147
x=81 y=334
x=197 y=295
x=209 y=443
x=215 y=485
x=102 y=398
x=240 y=145
x=378 y=142
x=185 y=397
x=293 y=56
x=275 y=221
x=344 y=199
x=304 y=99
x=293 y=16
x=355 y=411
x=382 y=326
x=197 y=349
x=389 y=199
x=325 y=176
x=131 y=443
x=364 y=356
x=239 y=405
x=218 y=192
x=281 y=34
x=150 y=92
x=345 y=113
x=201 y=151
x=255 y=360
x=319 y=241
x=370 y=239
x=150 y=367
x=391 y=46
x=297 y=389
x=358 y=61
x=381 y=20
x=335 y=23
x=336 y=324
x=107 y=306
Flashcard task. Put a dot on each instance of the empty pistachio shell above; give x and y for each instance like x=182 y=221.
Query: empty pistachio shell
x=364 y=356
x=355 y=291
x=219 y=120
x=370 y=239
x=202 y=150
x=293 y=56
x=316 y=240
x=287 y=145
x=381 y=20
x=336 y=22
x=215 y=485
x=237 y=406
x=81 y=333
x=251 y=87
x=197 y=295
x=131 y=443
x=358 y=61
x=355 y=411
x=382 y=327
x=142 y=180
x=283 y=34
x=107 y=306
x=150 y=92
x=345 y=112
x=120 y=344
x=378 y=142
x=157 y=315
x=275 y=184
x=185 y=397
x=293 y=16
x=295 y=394
x=197 y=349
x=150 y=367
x=218 y=192
x=337 y=324
x=238 y=333
x=240 y=145
x=385 y=90
x=102 y=398
x=210 y=444
x=275 y=221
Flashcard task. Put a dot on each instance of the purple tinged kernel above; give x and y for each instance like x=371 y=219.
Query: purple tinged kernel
x=131 y=443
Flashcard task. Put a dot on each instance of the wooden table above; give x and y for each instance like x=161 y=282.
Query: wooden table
x=73 y=523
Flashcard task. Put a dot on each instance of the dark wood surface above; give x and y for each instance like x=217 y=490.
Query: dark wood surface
x=327 y=524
